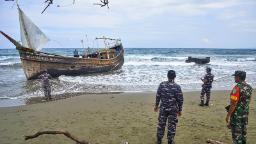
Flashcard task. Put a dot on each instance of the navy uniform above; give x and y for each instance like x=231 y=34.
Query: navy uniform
x=206 y=87
x=46 y=84
x=170 y=95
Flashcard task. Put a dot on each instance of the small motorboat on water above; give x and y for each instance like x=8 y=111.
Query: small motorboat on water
x=198 y=60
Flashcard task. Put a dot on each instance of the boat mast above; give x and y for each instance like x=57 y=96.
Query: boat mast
x=86 y=51
x=87 y=41
x=117 y=41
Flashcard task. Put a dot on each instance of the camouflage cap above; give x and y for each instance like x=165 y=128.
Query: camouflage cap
x=241 y=74
x=238 y=73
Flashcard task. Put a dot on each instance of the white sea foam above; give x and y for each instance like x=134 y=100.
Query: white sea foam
x=142 y=71
x=8 y=63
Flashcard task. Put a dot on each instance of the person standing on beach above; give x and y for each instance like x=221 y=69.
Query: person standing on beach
x=46 y=84
x=237 y=117
x=206 y=87
x=76 y=53
x=171 y=97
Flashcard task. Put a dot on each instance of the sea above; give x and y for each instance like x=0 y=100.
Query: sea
x=143 y=70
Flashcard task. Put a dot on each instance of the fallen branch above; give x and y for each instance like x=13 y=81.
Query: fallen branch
x=66 y=133
x=210 y=141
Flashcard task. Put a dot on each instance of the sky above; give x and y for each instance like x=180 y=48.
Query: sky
x=139 y=23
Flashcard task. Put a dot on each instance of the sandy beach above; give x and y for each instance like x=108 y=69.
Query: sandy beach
x=118 y=118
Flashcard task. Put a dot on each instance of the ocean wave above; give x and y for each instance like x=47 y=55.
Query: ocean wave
x=140 y=57
x=168 y=59
x=10 y=62
x=239 y=59
x=156 y=63
x=160 y=59
x=143 y=70
x=10 y=65
x=246 y=59
x=8 y=54
x=154 y=56
x=9 y=58
x=8 y=98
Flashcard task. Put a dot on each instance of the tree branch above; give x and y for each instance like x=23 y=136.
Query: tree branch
x=49 y=3
x=66 y=133
x=210 y=141
x=103 y=3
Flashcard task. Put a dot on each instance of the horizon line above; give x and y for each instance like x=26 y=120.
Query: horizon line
x=142 y=48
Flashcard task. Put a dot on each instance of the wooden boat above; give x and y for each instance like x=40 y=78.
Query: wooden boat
x=35 y=62
x=198 y=60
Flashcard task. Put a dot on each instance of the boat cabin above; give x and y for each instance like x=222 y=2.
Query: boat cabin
x=198 y=60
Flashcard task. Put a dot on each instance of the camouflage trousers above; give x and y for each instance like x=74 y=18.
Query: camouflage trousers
x=239 y=132
x=206 y=90
x=172 y=121
x=47 y=91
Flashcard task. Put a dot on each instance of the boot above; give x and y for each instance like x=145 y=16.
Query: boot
x=202 y=103
x=207 y=103
x=159 y=140
x=171 y=142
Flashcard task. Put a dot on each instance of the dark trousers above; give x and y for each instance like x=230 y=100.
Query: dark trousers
x=206 y=90
x=239 y=132
x=47 y=92
x=172 y=121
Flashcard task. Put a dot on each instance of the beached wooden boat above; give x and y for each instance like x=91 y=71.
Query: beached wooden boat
x=198 y=60
x=34 y=62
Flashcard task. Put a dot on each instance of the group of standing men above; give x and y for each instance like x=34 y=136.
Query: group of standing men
x=170 y=97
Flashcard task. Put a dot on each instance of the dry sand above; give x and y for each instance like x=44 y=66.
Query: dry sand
x=116 y=119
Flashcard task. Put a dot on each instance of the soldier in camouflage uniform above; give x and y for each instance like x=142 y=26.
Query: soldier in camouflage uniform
x=46 y=84
x=206 y=87
x=237 y=117
x=170 y=95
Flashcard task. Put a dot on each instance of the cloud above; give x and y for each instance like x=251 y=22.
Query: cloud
x=184 y=8
x=205 y=40
x=137 y=21
x=245 y=26
x=232 y=14
x=85 y=14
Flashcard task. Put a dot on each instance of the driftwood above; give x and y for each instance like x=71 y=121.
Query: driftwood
x=66 y=133
x=210 y=141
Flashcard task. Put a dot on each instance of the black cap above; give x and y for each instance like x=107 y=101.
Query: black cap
x=208 y=69
x=240 y=74
x=171 y=74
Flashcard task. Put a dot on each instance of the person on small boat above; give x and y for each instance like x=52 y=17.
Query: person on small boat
x=46 y=84
x=76 y=53
x=206 y=87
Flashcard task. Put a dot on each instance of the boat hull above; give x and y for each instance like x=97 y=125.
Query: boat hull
x=35 y=64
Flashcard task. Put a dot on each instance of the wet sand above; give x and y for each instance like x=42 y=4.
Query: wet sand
x=118 y=118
